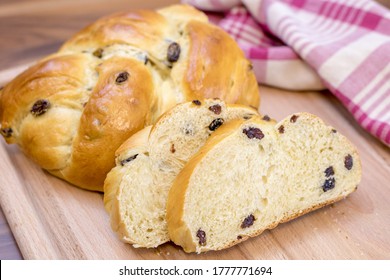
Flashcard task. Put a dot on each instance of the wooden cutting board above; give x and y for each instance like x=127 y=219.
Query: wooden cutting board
x=52 y=219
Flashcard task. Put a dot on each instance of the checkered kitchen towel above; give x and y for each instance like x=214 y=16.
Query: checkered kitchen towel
x=342 y=45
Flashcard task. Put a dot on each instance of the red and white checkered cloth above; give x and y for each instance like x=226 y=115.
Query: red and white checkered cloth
x=342 y=45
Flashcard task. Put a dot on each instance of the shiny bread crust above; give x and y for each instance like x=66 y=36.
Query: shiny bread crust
x=113 y=78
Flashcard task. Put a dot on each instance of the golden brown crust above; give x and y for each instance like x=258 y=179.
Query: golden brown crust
x=220 y=77
x=108 y=118
x=58 y=74
x=90 y=115
x=58 y=79
x=142 y=29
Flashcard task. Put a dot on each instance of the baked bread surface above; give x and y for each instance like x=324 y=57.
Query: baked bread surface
x=73 y=109
x=252 y=175
x=136 y=190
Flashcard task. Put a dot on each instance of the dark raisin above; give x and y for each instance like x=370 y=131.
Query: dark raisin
x=281 y=129
x=173 y=150
x=7 y=132
x=188 y=131
x=197 y=102
x=329 y=184
x=123 y=162
x=239 y=237
x=294 y=118
x=253 y=132
x=334 y=130
x=215 y=124
x=173 y=52
x=122 y=77
x=40 y=107
x=98 y=53
x=202 y=237
x=248 y=221
x=266 y=118
x=216 y=109
x=329 y=171
x=348 y=162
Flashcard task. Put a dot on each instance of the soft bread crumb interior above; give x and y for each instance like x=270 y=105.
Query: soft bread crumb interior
x=274 y=179
x=141 y=208
x=226 y=187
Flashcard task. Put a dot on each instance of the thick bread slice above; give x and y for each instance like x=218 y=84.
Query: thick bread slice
x=136 y=189
x=252 y=175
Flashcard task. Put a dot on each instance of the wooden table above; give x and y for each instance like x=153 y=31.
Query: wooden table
x=356 y=228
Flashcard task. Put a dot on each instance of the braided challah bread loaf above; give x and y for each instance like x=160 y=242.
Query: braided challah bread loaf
x=73 y=109
x=252 y=175
x=136 y=190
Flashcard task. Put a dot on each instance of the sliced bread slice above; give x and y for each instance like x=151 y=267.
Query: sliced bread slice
x=136 y=190
x=252 y=175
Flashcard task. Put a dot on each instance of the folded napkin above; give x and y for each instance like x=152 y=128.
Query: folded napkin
x=342 y=45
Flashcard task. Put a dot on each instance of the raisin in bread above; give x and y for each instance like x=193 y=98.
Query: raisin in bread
x=252 y=175
x=73 y=109
x=136 y=190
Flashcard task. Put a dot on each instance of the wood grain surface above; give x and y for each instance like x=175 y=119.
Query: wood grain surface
x=50 y=219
